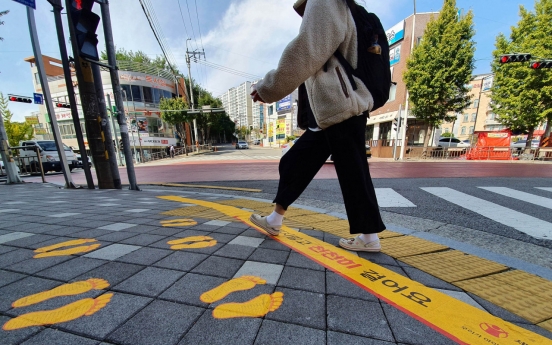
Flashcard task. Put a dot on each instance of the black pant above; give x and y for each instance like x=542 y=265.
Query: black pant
x=345 y=142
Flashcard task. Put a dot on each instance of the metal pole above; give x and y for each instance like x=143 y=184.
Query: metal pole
x=71 y=92
x=121 y=119
x=191 y=92
x=108 y=140
x=37 y=150
x=404 y=140
x=132 y=133
x=398 y=132
x=9 y=164
x=113 y=114
x=48 y=99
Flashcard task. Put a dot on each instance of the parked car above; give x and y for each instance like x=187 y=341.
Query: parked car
x=48 y=155
x=242 y=145
x=287 y=146
x=257 y=142
x=452 y=142
x=3 y=169
x=521 y=144
x=79 y=161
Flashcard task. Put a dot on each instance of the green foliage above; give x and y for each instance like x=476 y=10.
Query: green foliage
x=441 y=66
x=178 y=114
x=139 y=56
x=3 y=13
x=447 y=135
x=522 y=97
x=16 y=131
x=242 y=131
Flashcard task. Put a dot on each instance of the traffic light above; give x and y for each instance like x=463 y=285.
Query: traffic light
x=515 y=58
x=63 y=105
x=20 y=99
x=85 y=22
x=396 y=124
x=541 y=64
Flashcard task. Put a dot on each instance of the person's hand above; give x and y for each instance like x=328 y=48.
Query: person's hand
x=255 y=95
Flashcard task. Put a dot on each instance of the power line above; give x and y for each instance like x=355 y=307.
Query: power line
x=228 y=69
x=182 y=16
x=191 y=24
x=198 y=26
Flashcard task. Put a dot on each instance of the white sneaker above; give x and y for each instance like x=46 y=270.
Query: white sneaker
x=262 y=223
x=359 y=245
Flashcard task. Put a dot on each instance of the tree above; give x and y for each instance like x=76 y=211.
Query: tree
x=16 y=131
x=176 y=116
x=521 y=96
x=447 y=135
x=139 y=56
x=440 y=68
x=3 y=13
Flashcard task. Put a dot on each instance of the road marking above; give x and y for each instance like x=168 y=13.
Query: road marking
x=205 y=186
x=530 y=225
x=387 y=197
x=192 y=242
x=455 y=319
x=49 y=251
x=548 y=189
x=519 y=195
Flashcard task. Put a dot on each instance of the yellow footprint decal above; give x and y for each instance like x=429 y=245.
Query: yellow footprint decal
x=257 y=307
x=83 y=307
x=178 y=222
x=50 y=251
x=192 y=242
x=226 y=288
x=62 y=290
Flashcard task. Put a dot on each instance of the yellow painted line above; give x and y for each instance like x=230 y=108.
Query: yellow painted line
x=207 y=187
x=455 y=319
x=50 y=251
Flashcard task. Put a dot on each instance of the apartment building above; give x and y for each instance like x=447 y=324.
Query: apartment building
x=238 y=104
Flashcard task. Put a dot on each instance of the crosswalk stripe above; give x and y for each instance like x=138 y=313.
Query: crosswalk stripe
x=519 y=195
x=530 y=225
x=387 y=197
x=548 y=189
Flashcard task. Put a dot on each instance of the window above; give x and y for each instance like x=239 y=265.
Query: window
x=126 y=93
x=136 y=93
x=471 y=130
x=166 y=94
x=463 y=130
x=476 y=103
x=392 y=93
x=270 y=110
x=466 y=116
x=148 y=96
x=474 y=117
x=37 y=79
x=157 y=94
x=447 y=130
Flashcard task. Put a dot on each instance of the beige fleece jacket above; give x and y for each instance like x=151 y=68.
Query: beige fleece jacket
x=327 y=25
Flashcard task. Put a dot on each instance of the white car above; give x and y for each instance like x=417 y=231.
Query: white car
x=3 y=169
x=451 y=142
x=242 y=145
x=520 y=144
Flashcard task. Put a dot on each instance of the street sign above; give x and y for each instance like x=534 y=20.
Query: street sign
x=38 y=98
x=30 y=3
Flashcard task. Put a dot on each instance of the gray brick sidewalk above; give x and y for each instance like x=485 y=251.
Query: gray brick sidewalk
x=156 y=290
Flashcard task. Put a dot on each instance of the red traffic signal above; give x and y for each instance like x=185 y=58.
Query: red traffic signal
x=541 y=64
x=20 y=99
x=515 y=58
x=63 y=105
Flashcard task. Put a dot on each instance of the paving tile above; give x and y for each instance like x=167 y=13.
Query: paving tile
x=71 y=268
x=303 y=279
x=429 y=280
x=269 y=272
x=167 y=231
x=207 y=331
x=182 y=261
x=336 y=338
x=138 y=210
x=106 y=320
x=237 y=225
x=58 y=230
x=378 y=258
x=220 y=238
x=21 y=288
x=64 y=215
x=254 y=233
x=192 y=232
x=462 y=296
x=160 y=323
x=142 y=229
x=164 y=245
x=143 y=239
x=189 y=288
x=91 y=233
x=112 y=251
x=274 y=245
x=150 y=282
x=32 y=242
x=496 y=310
x=12 y=237
x=301 y=308
x=16 y=336
x=270 y=256
x=411 y=331
x=277 y=333
x=357 y=317
x=145 y=256
x=113 y=272
x=298 y=260
x=337 y=285
x=217 y=223
x=51 y=336
x=235 y=251
x=7 y=277
x=247 y=241
x=229 y=230
x=15 y=256
x=117 y=226
x=32 y=266
x=116 y=236
x=218 y=266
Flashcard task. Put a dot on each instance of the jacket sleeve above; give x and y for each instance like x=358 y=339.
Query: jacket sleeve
x=323 y=29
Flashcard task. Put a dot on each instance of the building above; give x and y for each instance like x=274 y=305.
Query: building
x=238 y=104
x=143 y=87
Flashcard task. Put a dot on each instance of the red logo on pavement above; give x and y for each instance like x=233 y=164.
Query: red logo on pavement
x=494 y=330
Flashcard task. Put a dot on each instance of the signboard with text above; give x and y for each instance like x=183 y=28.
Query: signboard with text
x=30 y=3
x=396 y=33
x=395 y=55
x=284 y=103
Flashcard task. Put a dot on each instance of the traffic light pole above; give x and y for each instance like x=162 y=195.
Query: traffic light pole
x=48 y=99
x=117 y=94
x=71 y=92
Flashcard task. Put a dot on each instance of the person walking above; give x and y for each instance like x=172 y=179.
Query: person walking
x=334 y=113
x=171 y=150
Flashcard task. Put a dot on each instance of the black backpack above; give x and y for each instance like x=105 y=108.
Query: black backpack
x=373 y=66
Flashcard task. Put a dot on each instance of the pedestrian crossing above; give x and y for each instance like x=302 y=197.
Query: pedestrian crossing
x=533 y=226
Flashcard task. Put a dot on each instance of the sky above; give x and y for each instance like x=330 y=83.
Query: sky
x=244 y=35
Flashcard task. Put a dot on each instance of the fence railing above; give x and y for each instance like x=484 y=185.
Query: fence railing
x=178 y=151
x=480 y=153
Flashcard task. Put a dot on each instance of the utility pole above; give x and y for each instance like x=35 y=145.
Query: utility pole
x=48 y=99
x=5 y=153
x=71 y=92
x=188 y=54
x=405 y=126
x=117 y=94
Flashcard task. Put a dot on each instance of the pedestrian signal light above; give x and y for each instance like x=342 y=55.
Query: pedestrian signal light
x=515 y=58
x=63 y=105
x=396 y=124
x=23 y=99
x=541 y=64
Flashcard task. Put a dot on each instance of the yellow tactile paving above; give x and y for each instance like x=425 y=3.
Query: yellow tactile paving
x=504 y=293
x=294 y=212
x=252 y=204
x=453 y=265
x=389 y=234
x=546 y=325
x=264 y=211
x=401 y=246
x=528 y=282
x=314 y=218
x=198 y=211
x=295 y=224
